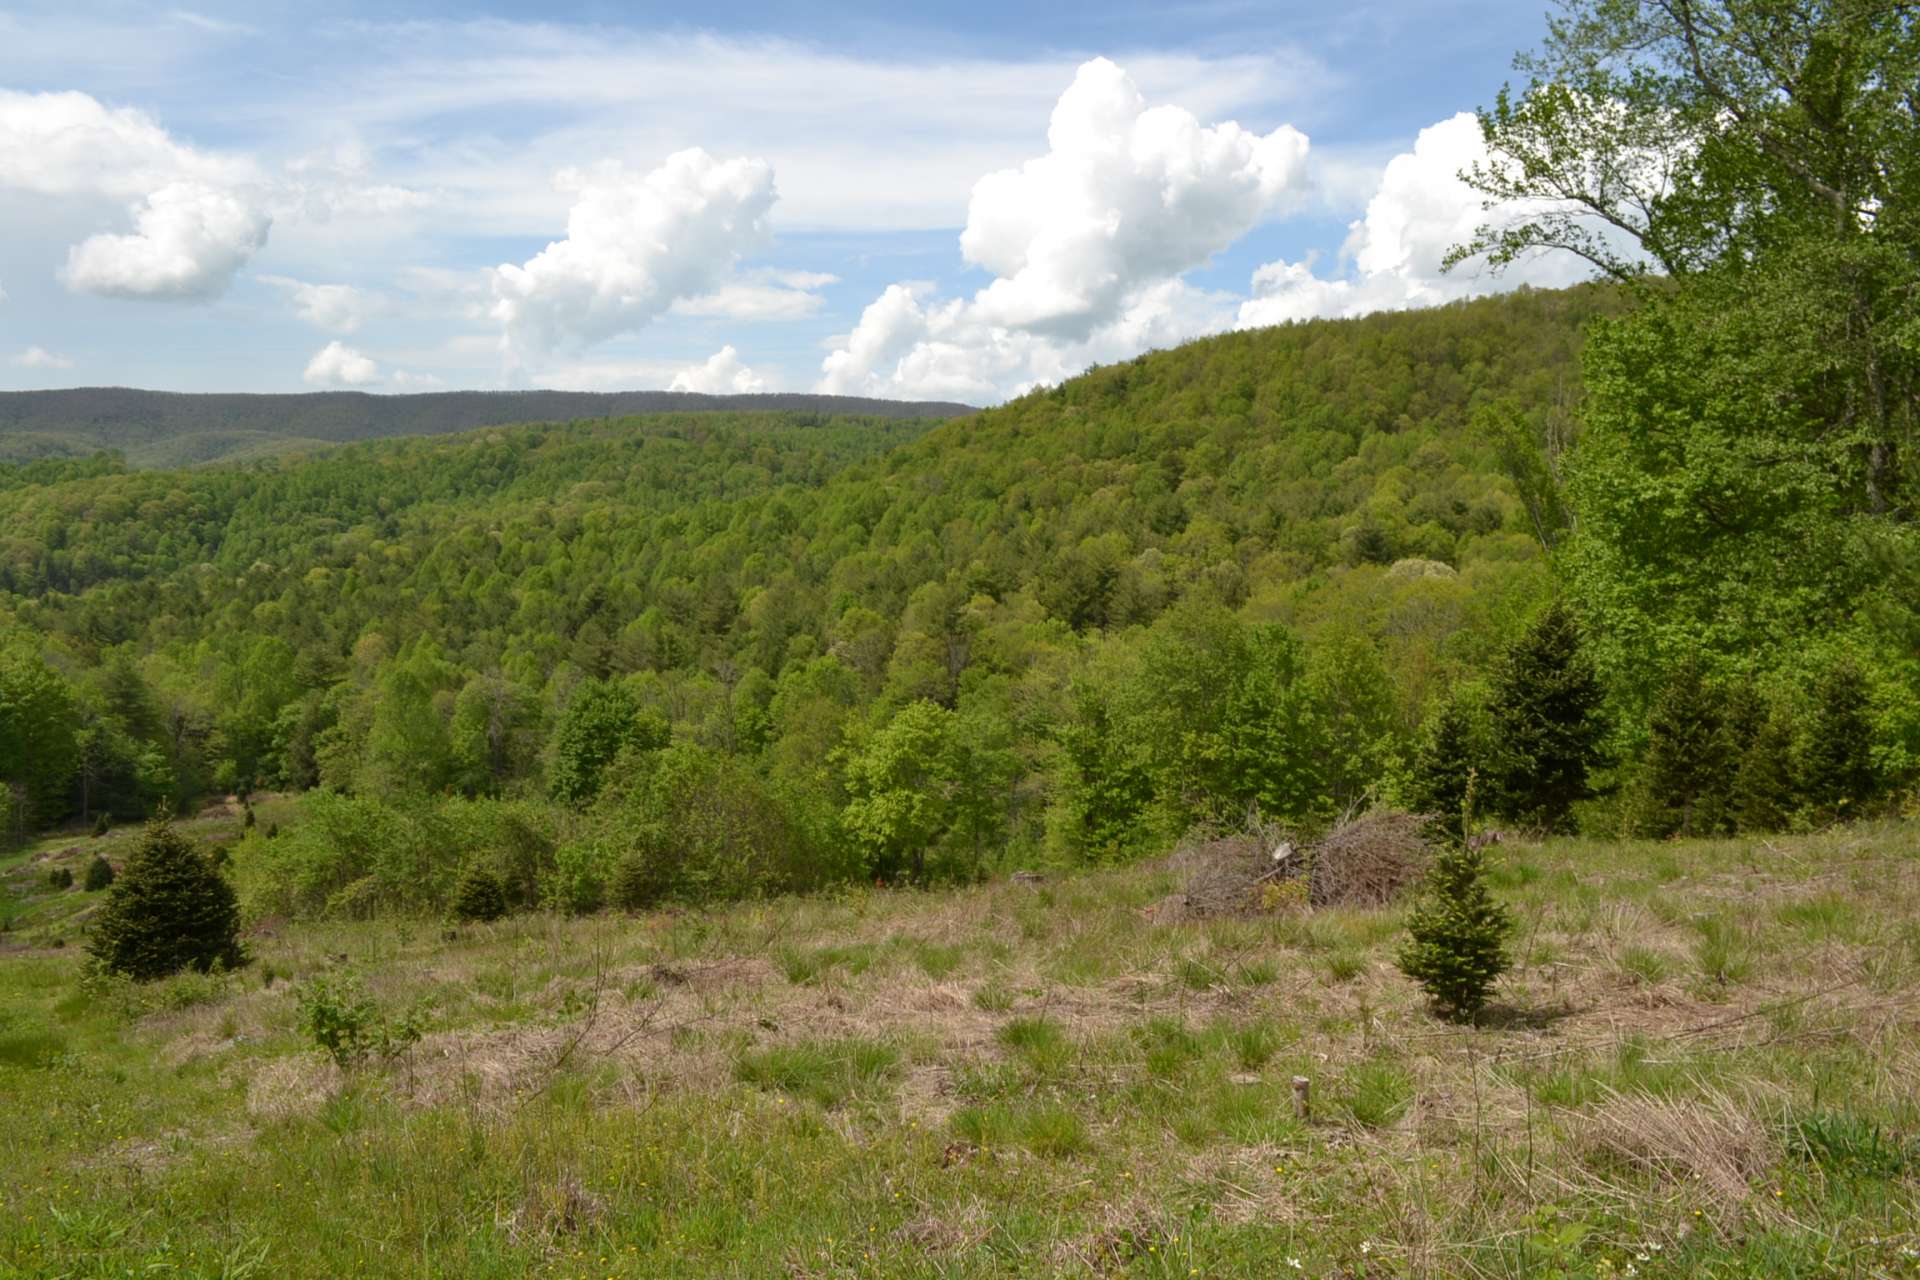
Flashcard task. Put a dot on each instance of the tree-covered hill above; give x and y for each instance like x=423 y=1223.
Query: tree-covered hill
x=166 y=429
x=1242 y=571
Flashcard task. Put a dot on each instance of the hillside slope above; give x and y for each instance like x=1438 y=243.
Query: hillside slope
x=161 y=429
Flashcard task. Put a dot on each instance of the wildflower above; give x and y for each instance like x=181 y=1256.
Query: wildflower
x=1296 y=1264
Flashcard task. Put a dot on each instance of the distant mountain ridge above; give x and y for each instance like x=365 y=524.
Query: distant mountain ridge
x=168 y=428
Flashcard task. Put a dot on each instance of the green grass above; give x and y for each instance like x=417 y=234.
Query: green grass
x=1705 y=1047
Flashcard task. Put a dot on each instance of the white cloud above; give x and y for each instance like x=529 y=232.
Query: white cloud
x=338 y=308
x=63 y=144
x=1418 y=212
x=419 y=381
x=338 y=365
x=750 y=302
x=635 y=245
x=188 y=242
x=1088 y=245
x=37 y=357
x=722 y=374
x=1126 y=196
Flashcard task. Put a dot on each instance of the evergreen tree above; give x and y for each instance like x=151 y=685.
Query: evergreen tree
x=168 y=910
x=1689 y=763
x=1766 y=790
x=1443 y=766
x=99 y=874
x=479 y=896
x=1456 y=937
x=1547 y=723
x=1839 y=774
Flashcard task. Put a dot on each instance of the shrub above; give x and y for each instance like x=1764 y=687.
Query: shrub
x=101 y=825
x=99 y=874
x=479 y=896
x=168 y=910
x=60 y=878
x=1456 y=936
x=344 y=1024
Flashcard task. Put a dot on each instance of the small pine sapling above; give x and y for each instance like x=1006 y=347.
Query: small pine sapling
x=1456 y=936
x=99 y=874
x=479 y=897
x=168 y=910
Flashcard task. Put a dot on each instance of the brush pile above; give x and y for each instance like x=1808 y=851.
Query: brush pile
x=1366 y=861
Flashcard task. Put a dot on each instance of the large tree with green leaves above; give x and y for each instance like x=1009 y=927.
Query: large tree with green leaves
x=1747 y=473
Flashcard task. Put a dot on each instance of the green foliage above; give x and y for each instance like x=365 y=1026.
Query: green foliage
x=1744 y=482
x=1445 y=762
x=602 y=720
x=60 y=878
x=929 y=781
x=1839 y=775
x=828 y=1073
x=1766 y=789
x=689 y=823
x=479 y=896
x=99 y=874
x=1547 y=724
x=1456 y=935
x=168 y=910
x=340 y=1019
x=1689 y=765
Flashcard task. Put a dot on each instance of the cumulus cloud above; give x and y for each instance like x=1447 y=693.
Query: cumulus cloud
x=188 y=241
x=722 y=374
x=1126 y=196
x=63 y=144
x=635 y=245
x=338 y=365
x=1419 y=211
x=38 y=357
x=338 y=308
x=1088 y=245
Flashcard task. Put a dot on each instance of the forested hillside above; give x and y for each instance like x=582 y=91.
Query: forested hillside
x=167 y=429
x=737 y=651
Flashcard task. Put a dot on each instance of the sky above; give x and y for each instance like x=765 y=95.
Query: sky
x=937 y=201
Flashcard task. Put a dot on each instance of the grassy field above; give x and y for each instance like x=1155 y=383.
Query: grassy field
x=1706 y=1062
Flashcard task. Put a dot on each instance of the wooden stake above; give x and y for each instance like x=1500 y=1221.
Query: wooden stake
x=1302 y=1106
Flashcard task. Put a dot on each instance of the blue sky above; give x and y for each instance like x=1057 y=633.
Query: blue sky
x=756 y=196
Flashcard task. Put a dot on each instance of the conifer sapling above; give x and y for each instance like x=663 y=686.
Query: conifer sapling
x=1456 y=936
x=168 y=910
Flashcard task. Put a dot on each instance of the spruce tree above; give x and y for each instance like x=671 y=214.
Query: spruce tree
x=1839 y=774
x=168 y=910
x=479 y=896
x=99 y=874
x=1766 y=790
x=1443 y=764
x=1688 y=763
x=1457 y=935
x=1547 y=724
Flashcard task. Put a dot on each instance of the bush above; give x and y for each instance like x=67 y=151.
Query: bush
x=344 y=1024
x=99 y=874
x=60 y=878
x=479 y=896
x=101 y=825
x=168 y=910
